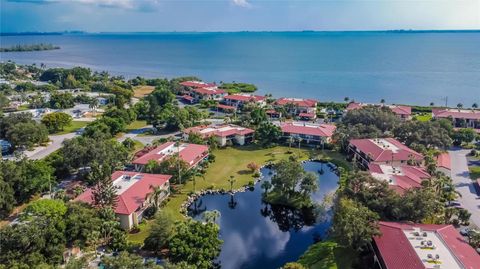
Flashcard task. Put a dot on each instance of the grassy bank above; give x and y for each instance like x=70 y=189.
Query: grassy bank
x=232 y=161
x=74 y=126
x=142 y=91
x=135 y=125
x=328 y=255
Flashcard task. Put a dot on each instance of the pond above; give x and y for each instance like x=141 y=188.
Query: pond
x=257 y=235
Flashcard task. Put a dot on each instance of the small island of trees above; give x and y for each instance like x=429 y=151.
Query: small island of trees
x=33 y=47
x=291 y=185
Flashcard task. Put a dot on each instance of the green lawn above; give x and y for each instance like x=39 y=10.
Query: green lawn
x=474 y=172
x=328 y=255
x=423 y=117
x=233 y=161
x=75 y=125
x=137 y=238
x=136 y=125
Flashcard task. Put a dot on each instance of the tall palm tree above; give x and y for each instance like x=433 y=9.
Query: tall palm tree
x=432 y=103
x=382 y=101
x=156 y=196
x=474 y=105
x=93 y=105
x=195 y=174
x=231 y=180
x=346 y=99
x=290 y=141
x=459 y=105
x=299 y=141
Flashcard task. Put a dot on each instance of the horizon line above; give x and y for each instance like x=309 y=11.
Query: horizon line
x=240 y=31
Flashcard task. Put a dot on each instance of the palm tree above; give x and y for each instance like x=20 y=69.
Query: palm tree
x=459 y=105
x=211 y=216
x=299 y=141
x=290 y=141
x=93 y=105
x=346 y=99
x=195 y=174
x=474 y=105
x=432 y=103
x=231 y=181
x=156 y=196
x=382 y=101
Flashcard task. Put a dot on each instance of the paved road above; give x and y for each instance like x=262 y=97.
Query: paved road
x=42 y=152
x=144 y=139
x=464 y=185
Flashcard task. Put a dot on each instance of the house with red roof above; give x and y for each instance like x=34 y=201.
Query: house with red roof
x=303 y=108
x=132 y=191
x=444 y=164
x=224 y=134
x=462 y=118
x=195 y=91
x=387 y=151
x=399 y=178
x=422 y=246
x=192 y=154
x=307 y=133
x=402 y=112
x=239 y=100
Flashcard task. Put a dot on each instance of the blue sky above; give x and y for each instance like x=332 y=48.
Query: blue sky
x=236 y=15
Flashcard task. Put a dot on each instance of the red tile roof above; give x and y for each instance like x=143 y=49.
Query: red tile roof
x=134 y=196
x=307 y=115
x=190 y=153
x=397 y=252
x=197 y=84
x=225 y=107
x=443 y=160
x=456 y=114
x=297 y=101
x=245 y=97
x=272 y=111
x=403 y=178
x=322 y=130
x=187 y=97
x=208 y=91
x=219 y=130
x=397 y=109
x=385 y=153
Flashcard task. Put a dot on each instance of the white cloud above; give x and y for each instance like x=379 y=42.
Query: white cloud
x=143 y=5
x=241 y=3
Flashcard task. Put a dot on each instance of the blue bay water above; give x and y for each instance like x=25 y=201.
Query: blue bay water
x=413 y=68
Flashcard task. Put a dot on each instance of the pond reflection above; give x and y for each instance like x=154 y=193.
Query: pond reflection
x=258 y=235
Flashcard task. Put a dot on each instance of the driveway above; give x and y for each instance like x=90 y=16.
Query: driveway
x=464 y=185
x=55 y=144
x=145 y=139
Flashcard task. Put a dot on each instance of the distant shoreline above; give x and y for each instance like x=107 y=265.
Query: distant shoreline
x=27 y=48
x=236 y=32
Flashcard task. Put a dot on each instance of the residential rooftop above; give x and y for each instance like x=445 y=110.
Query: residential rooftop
x=192 y=154
x=385 y=149
x=132 y=188
x=468 y=114
x=297 y=101
x=322 y=130
x=219 y=130
x=244 y=97
x=197 y=84
x=424 y=246
x=397 y=109
x=399 y=178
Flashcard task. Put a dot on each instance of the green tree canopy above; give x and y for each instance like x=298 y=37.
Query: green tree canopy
x=56 y=121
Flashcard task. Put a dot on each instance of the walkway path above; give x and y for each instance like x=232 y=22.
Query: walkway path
x=42 y=152
x=464 y=185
